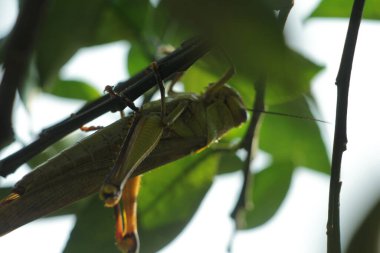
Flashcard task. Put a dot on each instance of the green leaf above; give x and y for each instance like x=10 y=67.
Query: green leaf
x=269 y=191
x=260 y=49
x=342 y=9
x=196 y=79
x=229 y=162
x=297 y=141
x=74 y=89
x=137 y=59
x=164 y=28
x=68 y=25
x=366 y=236
x=94 y=229
x=170 y=196
x=111 y=27
x=74 y=208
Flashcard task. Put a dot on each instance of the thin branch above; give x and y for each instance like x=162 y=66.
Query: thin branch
x=18 y=50
x=251 y=136
x=248 y=145
x=340 y=135
x=178 y=61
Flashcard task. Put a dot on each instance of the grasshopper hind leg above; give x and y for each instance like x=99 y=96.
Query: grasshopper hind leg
x=127 y=238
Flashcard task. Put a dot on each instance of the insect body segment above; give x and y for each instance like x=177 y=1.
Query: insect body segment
x=102 y=161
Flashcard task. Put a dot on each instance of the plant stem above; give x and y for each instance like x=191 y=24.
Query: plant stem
x=340 y=135
x=248 y=144
x=178 y=61
x=18 y=50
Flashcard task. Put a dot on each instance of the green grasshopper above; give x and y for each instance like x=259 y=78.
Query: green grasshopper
x=160 y=132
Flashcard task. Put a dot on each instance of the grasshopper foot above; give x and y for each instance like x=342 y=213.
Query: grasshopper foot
x=110 y=194
x=130 y=243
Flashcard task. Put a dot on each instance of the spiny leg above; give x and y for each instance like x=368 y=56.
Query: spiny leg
x=126 y=212
x=115 y=181
x=111 y=189
x=126 y=218
x=169 y=118
x=161 y=87
x=176 y=78
x=112 y=93
x=126 y=100
x=145 y=132
x=226 y=76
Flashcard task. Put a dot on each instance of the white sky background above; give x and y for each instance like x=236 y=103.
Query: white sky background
x=299 y=226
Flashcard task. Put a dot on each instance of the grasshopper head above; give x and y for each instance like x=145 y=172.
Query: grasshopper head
x=225 y=94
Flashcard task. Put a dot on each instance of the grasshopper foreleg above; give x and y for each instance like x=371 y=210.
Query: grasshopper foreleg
x=125 y=100
x=161 y=87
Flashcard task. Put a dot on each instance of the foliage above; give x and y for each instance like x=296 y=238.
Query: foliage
x=256 y=48
x=341 y=8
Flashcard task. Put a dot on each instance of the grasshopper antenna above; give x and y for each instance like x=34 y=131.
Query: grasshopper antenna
x=289 y=115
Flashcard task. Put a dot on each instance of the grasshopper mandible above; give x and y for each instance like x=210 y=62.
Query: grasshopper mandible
x=160 y=132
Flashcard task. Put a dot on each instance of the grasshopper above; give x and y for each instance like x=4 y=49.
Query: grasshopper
x=160 y=132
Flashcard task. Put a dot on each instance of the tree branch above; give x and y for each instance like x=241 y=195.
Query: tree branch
x=18 y=50
x=252 y=133
x=340 y=135
x=248 y=145
x=178 y=61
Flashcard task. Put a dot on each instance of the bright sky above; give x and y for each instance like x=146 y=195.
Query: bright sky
x=299 y=226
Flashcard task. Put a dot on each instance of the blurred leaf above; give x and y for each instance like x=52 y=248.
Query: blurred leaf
x=252 y=38
x=170 y=196
x=94 y=229
x=269 y=190
x=69 y=25
x=137 y=59
x=367 y=236
x=229 y=162
x=134 y=13
x=342 y=9
x=164 y=28
x=294 y=140
x=111 y=28
x=234 y=135
x=137 y=16
x=74 y=208
x=196 y=79
x=74 y=89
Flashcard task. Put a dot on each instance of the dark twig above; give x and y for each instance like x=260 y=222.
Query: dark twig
x=248 y=144
x=178 y=61
x=251 y=136
x=340 y=135
x=18 y=50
